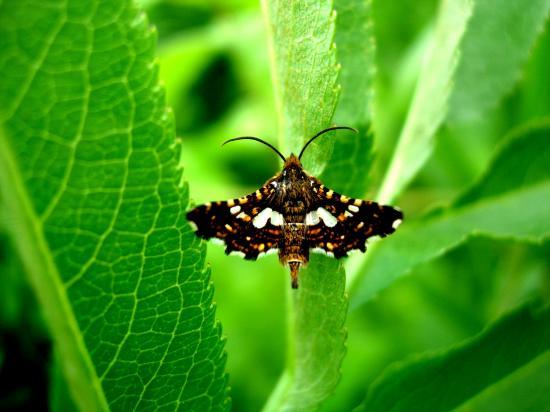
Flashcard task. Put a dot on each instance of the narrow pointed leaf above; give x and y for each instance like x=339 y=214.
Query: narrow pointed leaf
x=443 y=381
x=429 y=105
x=304 y=73
x=499 y=39
x=499 y=205
x=349 y=165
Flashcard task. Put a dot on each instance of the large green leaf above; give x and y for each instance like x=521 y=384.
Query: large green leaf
x=304 y=74
x=527 y=389
x=429 y=105
x=351 y=159
x=470 y=67
x=499 y=205
x=442 y=381
x=496 y=45
x=90 y=179
x=316 y=338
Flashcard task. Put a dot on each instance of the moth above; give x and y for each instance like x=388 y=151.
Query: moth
x=293 y=213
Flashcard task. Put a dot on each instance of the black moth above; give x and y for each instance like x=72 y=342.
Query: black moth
x=292 y=214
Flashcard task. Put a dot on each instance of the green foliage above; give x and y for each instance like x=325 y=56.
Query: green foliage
x=452 y=109
x=422 y=384
x=89 y=173
x=495 y=206
x=301 y=39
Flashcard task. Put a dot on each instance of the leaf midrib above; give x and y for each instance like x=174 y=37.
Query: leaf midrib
x=46 y=282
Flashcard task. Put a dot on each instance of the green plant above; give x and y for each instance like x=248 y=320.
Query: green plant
x=93 y=201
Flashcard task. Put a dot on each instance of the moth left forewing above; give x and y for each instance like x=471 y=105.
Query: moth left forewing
x=338 y=224
x=238 y=223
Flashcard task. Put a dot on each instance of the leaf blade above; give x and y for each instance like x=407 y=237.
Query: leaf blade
x=304 y=74
x=497 y=59
x=429 y=105
x=495 y=206
x=467 y=369
x=95 y=172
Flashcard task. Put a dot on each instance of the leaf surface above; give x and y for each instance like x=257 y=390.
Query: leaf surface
x=429 y=105
x=316 y=338
x=304 y=73
x=89 y=175
x=527 y=389
x=351 y=159
x=499 y=39
x=443 y=381
x=499 y=205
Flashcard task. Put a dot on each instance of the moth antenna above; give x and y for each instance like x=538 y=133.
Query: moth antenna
x=328 y=129
x=258 y=140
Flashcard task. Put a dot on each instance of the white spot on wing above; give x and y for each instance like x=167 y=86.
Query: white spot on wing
x=312 y=218
x=237 y=253
x=193 y=226
x=396 y=223
x=276 y=218
x=326 y=217
x=353 y=208
x=217 y=241
x=322 y=251
x=235 y=209
x=261 y=218
x=269 y=252
x=348 y=214
x=274 y=184
x=241 y=215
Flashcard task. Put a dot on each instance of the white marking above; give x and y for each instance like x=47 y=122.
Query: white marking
x=193 y=225
x=353 y=208
x=260 y=220
x=237 y=253
x=269 y=252
x=217 y=241
x=312 y=218
x=348 y=214
x=322 y=251
x=235 y=209
x=274 y=184
x=326 y=217
x=396 y=223
x=276 y=218
x=241 y=215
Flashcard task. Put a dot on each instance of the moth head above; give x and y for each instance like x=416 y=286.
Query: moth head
x=293 y=169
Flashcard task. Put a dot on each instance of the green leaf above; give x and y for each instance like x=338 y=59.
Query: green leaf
x=500 y=36
x=90 y=179
x=348 y=167
x=304 y=75
x=527 y=389
x=442 y=381
x=429 y=105
x=504 y=207
x=316 y=338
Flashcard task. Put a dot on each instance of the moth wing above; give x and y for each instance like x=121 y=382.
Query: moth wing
x=232 y=222
x=340 y=224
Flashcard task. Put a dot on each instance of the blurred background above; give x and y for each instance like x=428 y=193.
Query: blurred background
x=214 y=65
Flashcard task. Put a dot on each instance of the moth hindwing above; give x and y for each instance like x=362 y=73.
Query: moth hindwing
x=293 y=214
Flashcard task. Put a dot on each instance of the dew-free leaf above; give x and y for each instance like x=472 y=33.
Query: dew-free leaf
x=508 y=202
x=349 y=165
x=304 y=72
x=442 y=381
x=498 y=41
x=90 y=181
